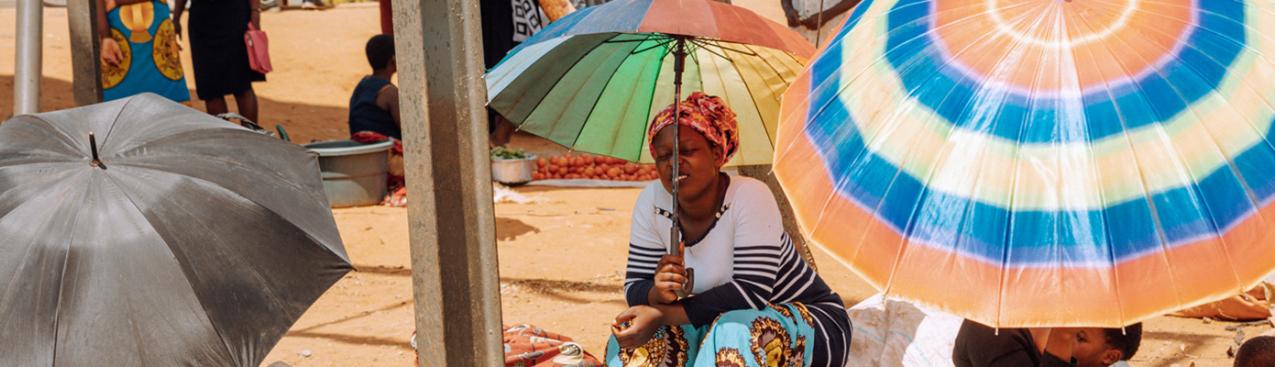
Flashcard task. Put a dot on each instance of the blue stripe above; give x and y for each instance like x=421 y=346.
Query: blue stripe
x=1193 y=73
x=619 y=16
x=1123 y=230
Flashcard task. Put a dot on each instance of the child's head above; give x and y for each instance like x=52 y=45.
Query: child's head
x=1104 y=347
x=380 y=53
x=1258 y=351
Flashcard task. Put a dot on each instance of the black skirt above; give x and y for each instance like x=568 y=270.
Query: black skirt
x=217 y=49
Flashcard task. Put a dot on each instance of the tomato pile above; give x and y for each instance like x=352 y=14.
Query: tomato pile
x=591 y=167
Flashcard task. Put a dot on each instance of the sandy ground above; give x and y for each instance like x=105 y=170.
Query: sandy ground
x=561 y=258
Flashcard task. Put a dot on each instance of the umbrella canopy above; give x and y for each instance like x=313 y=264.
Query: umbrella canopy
x=1041 y=163
x=592 y=80
x=192 y=242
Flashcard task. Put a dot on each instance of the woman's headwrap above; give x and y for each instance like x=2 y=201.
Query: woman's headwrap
x=707 y=115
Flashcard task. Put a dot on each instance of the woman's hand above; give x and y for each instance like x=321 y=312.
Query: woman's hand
x=670 y=277
x=635 y=326
x=111 y=53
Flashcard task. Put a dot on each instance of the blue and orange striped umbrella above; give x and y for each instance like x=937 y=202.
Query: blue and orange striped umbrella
x=1041 y=163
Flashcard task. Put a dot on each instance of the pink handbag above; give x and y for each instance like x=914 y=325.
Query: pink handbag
x=258 y=49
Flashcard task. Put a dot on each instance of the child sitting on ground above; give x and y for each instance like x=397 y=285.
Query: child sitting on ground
x=374 y=105
x=1256 y=352
x=374 y=114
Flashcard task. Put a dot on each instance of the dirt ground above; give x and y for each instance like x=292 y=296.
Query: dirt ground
x=561 y=257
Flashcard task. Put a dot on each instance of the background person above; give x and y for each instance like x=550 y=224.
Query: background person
x=982 y=346
x=219 y=55
x=139 y=50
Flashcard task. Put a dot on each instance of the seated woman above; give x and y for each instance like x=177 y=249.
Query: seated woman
x=754 y=301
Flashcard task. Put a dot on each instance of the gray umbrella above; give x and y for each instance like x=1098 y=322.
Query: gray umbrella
x=192 y=242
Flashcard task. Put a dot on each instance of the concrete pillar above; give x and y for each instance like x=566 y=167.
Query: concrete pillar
x=86 y=74
x=452 y=223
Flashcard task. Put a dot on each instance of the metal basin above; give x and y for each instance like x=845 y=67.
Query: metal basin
x=354 y=174
x=513 y=171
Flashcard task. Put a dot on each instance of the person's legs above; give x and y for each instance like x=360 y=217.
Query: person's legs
x=674 y=346
x=247 y=103
x=776 y=335
x=216 y=106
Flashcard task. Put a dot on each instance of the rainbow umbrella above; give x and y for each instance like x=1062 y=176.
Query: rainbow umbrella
x=1041 y=163
x=592 y=80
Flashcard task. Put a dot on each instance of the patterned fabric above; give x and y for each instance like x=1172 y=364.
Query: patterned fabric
x=776 y=336
x=395 y=179
x=707 y=115
x=152 y=57
x=530 y=346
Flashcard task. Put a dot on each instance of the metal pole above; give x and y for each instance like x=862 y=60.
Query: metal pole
x=675 y=232
x=86 y=77
x=451 y=216
x=27 y=71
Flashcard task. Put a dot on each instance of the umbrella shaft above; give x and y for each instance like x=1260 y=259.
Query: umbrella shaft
x=679 y=59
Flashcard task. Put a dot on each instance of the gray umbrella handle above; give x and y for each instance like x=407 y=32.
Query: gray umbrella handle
x=675 y=234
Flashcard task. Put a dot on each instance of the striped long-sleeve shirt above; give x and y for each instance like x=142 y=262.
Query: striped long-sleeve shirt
x=745 y=261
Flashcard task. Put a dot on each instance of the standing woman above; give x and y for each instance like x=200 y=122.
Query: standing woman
x=218 y=52
x=755 y=301
x=139 y=50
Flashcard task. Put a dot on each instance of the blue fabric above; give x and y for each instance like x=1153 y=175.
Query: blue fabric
x=365 y=115
x=143 y=75
x=777 y=335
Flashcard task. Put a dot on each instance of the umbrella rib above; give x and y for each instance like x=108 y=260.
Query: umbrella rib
x=907 y=230
x=708 y=43
x=57 y=309
x=757 y=107
x=661 y=43
x=652 y=105
x=230 y=353
x=1102 y=199
x=1195 y=181
x=1002 y=279
x=769 y=137
x=115 y=121
x=559 y=80
x=601 y=92
x=772 y=67
x=245 y=198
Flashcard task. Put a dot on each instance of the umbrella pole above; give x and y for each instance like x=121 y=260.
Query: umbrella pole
x=93 y=147
x=675 y=233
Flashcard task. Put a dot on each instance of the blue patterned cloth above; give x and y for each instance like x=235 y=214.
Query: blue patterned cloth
x=778 y=335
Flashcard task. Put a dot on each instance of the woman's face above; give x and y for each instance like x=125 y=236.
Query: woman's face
x=698 y=168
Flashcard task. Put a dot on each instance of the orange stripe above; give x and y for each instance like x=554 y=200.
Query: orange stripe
x=968 y=32
x=1145 y=287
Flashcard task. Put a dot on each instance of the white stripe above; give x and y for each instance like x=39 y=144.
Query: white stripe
x=647 y=250
x=755 y=273
x=824 y=331
x=769 y=268
x=809 y=280
x=757 y=253
x=758 y=285
x=745 y=295
x=501 y=76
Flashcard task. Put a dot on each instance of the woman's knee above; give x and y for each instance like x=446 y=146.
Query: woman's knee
x=736 y=319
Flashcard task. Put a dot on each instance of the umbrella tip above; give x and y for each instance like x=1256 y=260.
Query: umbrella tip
x=93 y=148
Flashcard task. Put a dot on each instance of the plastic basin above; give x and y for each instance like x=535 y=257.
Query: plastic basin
x=353 y=173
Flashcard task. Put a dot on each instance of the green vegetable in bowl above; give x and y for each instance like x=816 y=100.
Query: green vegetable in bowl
x=503 y=153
